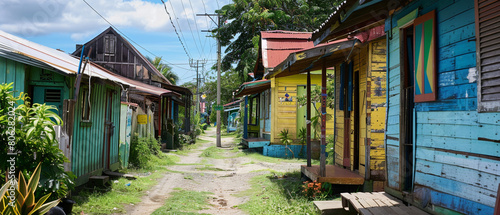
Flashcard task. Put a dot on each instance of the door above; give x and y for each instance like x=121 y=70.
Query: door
x=109 y=128
x=406 y=116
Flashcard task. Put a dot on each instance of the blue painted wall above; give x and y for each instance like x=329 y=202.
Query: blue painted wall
x=451 y=171
x=280 y=151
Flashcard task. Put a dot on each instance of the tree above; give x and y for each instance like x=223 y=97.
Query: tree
x=229 y=83
x=164 y=69
x=246 y=18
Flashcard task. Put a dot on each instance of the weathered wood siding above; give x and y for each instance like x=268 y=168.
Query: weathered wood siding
x=88 y=141
x=370 y=63
x=454 y=169
x=283 y=114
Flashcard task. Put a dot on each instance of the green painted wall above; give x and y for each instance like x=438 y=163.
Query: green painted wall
x=88 y=137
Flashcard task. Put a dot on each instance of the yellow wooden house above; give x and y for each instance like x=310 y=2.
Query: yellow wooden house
x=358 y=57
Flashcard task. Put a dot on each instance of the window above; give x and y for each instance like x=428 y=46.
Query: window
x=267 y=103
x=52 y=95
x=109 y=44
x=85 y=105
x=425 y=73
x=488 y=49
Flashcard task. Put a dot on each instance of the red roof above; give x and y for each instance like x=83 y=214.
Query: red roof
x=277 y=45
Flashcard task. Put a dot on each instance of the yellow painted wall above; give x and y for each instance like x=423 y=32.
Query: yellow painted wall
x=369 y=61
x=284 y=114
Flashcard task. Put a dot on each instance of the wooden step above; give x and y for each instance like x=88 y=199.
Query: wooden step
x=98 y=180
x=333 y=207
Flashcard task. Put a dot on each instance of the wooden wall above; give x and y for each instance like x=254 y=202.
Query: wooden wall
x=455 y=170
x=283 y=114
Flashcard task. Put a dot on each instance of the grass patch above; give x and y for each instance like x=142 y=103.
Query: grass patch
x=212 y=152
x=271 y=195
x=188 y=177
x=209 y=168
x=188 y=148
x=184 y=202
x=94 y=202
x=255 y=156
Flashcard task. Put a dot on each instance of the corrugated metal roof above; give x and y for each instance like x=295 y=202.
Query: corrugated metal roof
x=285 y=34
x=277 y=45
x=31 y=53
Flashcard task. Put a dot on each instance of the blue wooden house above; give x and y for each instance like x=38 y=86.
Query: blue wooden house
x=443 y=101
x=232 y=115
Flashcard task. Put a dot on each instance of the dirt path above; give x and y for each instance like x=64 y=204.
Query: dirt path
x=222 y=177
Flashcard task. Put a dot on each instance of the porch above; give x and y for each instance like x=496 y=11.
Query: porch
x=255 y=142
x=334 y=175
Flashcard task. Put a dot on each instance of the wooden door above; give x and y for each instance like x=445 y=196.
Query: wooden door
x=406 y=116
x=356 y=121
x=109 y=128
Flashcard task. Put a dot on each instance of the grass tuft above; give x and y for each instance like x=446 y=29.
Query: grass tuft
x=184 y=202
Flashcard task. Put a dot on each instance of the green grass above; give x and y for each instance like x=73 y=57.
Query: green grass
x=184 y=202
x=113 y=201
x=209 y=168
x=270 y=195
x=188 y=148
x=212 y=152
x=188 y=177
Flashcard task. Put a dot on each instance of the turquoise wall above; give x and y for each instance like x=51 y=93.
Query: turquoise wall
x=453 y=169
x=11 y=71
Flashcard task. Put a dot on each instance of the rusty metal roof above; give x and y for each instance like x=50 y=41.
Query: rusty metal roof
x=25 y=51
x=277 y=45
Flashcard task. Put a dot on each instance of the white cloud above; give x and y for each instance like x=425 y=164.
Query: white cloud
x=40 y=17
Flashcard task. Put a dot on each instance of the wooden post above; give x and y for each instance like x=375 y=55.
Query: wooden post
x=160 y=115
x=245 y=119
x=322 y=168
x=308 y=118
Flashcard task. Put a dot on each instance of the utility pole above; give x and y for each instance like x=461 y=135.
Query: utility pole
x=197 y=66
x=218 y=74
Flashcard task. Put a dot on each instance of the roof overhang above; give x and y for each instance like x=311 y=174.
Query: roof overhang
x=312 y=59
x=253 y=87
x=353 y=16
x=178 y=89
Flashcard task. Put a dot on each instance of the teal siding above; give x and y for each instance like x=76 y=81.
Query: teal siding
x=88 y=142
x=12 y=71
x=454 y=170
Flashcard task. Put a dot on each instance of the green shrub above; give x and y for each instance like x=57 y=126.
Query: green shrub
x=141 y=150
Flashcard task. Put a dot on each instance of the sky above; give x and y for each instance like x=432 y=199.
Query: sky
x=61 y=24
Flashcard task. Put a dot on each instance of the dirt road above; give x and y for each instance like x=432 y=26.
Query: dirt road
x=223 y=178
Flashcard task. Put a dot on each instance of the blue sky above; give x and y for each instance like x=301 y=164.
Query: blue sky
x=62 y=24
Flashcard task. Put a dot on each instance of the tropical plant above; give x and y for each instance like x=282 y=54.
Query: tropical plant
x=25 y=202
x=35 y=142
x=285 y=139
x=164 y=69
x=302 y=136
x=141 y=150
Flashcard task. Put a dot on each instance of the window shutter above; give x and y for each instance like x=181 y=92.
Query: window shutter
x=342 y=87
x=488 y=54
x=350 y=85
x=425 y=57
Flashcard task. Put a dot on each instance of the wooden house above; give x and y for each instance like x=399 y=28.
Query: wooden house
x=442 y=121
x=279 y=103
x=113 y=52
x=232 y=115
x=356 y=50
x=49 y=76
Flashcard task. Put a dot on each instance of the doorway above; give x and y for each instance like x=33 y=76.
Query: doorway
x=356 y=121
x=407 y=105
x=108 y=129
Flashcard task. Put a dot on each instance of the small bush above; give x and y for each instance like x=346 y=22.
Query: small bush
x=141 y=150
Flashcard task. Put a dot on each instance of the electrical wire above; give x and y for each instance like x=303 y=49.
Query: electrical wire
x=175 y=29
x=197 y=31
x=130 y=39
x=178 y=25
x=190 y=29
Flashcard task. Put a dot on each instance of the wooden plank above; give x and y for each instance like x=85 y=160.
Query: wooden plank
x=364 y=211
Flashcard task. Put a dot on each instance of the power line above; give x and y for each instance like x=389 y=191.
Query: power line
x=130 y=39
x=197 y=31
x=190 y=29
x=175 y=29
x=177 y=21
